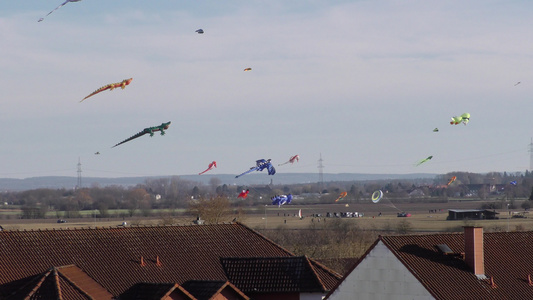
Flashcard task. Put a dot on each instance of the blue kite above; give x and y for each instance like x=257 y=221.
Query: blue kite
x=279 y=200
x=260 y=166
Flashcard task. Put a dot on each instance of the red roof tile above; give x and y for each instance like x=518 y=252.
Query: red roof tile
x=111 y=256
x=157 y=291
x=62 y=283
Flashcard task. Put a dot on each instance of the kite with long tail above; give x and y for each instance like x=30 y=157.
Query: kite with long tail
x=452 y=180
x=341 y=196
x=423 y=161
x=261 y=164
x=149 y=130
x=110 y=87
x=291 y=160
x=62 y=4
x=210 y=167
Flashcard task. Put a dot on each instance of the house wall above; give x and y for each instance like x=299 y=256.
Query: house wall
x=380 y=275
x=312 y=296
x=277 y=296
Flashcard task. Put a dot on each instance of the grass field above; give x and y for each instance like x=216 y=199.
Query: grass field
x=271 y=217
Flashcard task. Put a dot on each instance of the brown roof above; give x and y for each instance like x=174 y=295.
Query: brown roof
x=207 y=290
x=272 y=274
x=508 y=261
x=113 y=256
x=157 y=291
x=68 y=282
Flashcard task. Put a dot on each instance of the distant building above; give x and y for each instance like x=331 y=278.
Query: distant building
x=470 y=265
x=471 y=214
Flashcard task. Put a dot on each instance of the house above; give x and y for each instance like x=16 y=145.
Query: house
x=150 y=262
x=471 y=214
x=469 y=265
x=275 y=277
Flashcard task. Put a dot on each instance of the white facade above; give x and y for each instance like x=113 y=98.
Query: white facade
x=311 y=296
x=380 y=276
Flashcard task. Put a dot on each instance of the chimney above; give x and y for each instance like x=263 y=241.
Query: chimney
x=474 y=250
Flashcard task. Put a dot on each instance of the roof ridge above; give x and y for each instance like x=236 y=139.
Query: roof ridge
x=56 y=283
x=38 y=281
x=334 y=288
x=324 y=267
x=317 y=278
x=410 y=268
x=72 y=282
x=116 y=227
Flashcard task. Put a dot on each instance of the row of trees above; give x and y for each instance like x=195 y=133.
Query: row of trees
x=173 y=193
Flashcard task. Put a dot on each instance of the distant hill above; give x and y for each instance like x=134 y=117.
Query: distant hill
x=59 y=182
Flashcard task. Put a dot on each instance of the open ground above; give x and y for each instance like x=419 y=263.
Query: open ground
x=425 y=218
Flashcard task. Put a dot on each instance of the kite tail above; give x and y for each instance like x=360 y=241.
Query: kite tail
x=251 y=170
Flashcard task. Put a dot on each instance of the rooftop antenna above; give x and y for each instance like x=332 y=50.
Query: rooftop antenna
x=320 y=173
x=78 y=185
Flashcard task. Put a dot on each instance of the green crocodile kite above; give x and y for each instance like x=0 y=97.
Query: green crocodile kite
x=150 y=130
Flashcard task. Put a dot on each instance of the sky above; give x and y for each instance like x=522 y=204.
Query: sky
x=361 y=83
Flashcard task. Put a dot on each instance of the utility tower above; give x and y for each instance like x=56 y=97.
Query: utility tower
x=531 y=155
x=320 y=173
x=78 y=185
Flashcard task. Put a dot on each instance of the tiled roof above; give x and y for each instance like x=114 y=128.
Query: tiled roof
x=206 y=290
x=112 y=256
x=508 y=260
x=156 y=291
x=67 y=282
x=272 y=274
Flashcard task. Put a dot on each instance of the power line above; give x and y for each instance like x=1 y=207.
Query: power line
x=320 y=173
x=78 y=185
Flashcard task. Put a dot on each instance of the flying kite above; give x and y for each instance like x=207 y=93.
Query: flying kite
x=200 y=31
x=291 y=160
x=150 y=130
x=62 y=4
x=243 y=194
x=341 y=196
x=261 y=164
x=97 y=153
x=111 y=87
x=452 y=180
x=464 y=118
x=517 y=83
x=376 y=196
x=209 y=167
x=279 y=200
x=248 y=69
x=423 y=161
x=436 y=130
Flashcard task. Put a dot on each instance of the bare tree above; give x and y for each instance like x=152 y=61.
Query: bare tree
x=213 y=210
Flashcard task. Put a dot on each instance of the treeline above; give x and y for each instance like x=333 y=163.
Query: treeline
x=175 y=193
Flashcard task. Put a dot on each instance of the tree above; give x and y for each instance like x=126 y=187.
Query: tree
x=526 y=205
x=212 y=210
